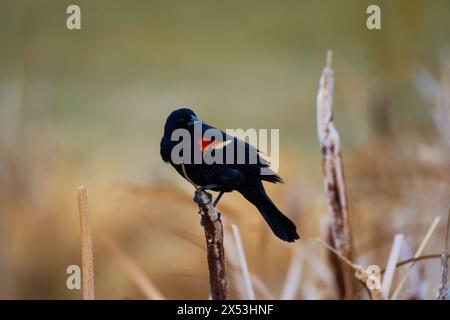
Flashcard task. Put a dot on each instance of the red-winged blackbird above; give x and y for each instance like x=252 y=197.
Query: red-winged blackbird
x=227 y=175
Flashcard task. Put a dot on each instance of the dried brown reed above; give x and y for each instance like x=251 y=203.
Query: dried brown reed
x=444 y=291
x=87 y=259
x=334 y=183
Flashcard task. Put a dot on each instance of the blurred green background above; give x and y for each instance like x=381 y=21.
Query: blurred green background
x=87 y=107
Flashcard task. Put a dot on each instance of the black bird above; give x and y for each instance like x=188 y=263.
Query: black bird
x=246 y=178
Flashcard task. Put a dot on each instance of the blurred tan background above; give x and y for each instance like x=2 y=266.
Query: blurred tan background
x=87 y=108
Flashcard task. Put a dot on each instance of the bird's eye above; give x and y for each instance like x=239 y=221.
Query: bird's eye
x=181 y=120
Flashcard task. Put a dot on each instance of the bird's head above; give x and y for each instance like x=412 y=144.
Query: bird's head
x=183 y=118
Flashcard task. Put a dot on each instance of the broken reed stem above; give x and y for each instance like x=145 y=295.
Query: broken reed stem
x=334 y=183
x=212 y=224
x=87 y=258
x=391 y=265
x=444 y=291
x=416 y=255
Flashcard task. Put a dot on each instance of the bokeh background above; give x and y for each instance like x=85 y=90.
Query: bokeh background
x=87 y=108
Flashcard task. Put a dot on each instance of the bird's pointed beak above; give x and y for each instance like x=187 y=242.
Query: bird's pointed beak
x=193 y=120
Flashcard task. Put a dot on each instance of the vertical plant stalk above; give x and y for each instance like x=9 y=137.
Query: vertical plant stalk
x=87 y=258
x=212 y=224
x=391 y=265
x=334 y=183
x=444 y=291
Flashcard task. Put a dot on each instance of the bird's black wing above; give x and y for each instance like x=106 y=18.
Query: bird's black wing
x=247 y=158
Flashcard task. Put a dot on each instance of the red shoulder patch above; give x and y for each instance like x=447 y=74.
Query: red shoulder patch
x=204 y=143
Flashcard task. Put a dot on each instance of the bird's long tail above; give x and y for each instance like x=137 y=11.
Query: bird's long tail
x=281 y=225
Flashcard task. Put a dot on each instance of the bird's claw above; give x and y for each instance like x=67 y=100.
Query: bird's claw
x=199 y=200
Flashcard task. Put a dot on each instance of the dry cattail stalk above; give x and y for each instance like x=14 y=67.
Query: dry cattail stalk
x=418 y=253
x=444 y=291
x=391 y=265
x=243 y=263
x=134 y=272
x=212 y=224
x=87 y=259
x=334 y=183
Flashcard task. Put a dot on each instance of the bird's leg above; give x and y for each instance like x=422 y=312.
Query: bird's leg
x=209 y=187
x=200 y=202
x=204 y=188
x=218 y=198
